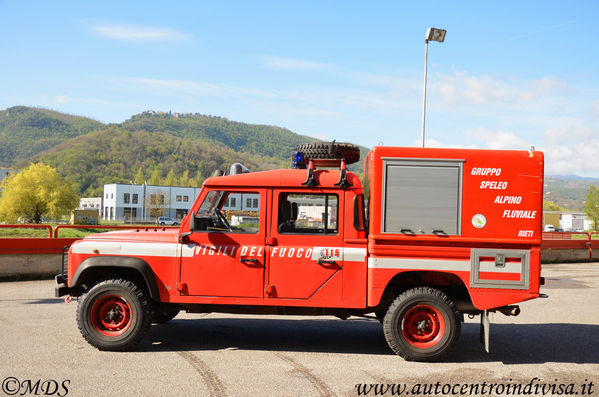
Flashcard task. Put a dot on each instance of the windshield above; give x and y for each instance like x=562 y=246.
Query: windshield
x=212 y=200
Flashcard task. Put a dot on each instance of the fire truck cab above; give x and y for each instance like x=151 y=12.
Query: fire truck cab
x=433 y=234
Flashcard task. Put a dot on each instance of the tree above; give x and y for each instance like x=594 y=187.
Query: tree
x=139 y=177
x=157 y=202
x=171 y=179
x=591 y=207
x=155 y=177
x=197 y=180
x=35 y=192
x=185 y=180
x=551 y=206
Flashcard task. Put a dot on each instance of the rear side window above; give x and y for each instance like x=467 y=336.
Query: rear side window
x=308 y=213
x=359 y=213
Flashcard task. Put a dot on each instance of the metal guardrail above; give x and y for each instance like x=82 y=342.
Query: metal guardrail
x=36 y=226
x=52 y=244
x=570 y=241
x=109 y=227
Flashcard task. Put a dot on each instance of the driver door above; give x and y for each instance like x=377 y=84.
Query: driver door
x=224 y=256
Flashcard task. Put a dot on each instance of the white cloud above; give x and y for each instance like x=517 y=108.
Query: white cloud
x=195 y=88
x=464 y=89
x=594 y=110
x=433 y=143
x=566 y=135
x=577 y=158
x=499 y=139
x=276 y=62
x=322 y=137
x=60 y=99
x=133 y=33
x=545 y=86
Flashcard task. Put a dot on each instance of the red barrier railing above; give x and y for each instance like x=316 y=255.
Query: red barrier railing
x=19 y=226
x=112 y=227
x=52 y=244
x=569 y=240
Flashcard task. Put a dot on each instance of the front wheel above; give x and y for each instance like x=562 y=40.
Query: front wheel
x=422 y=324
x=114 y=315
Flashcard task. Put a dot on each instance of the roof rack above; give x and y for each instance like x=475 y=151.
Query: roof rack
x=311 y=181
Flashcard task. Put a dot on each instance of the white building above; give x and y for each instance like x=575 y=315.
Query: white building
x=574 y=221
x=90 y=203
x=133 y=202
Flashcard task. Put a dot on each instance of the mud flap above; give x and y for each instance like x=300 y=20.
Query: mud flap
x=485 y=329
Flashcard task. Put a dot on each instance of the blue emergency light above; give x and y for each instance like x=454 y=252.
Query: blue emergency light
x=298 y=160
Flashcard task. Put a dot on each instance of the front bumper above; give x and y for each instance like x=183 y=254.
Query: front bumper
x=61 y=288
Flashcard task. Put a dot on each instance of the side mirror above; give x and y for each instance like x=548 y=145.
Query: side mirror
x=183 y=237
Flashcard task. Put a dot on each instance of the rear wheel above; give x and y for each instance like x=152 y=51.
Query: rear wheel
x=114 y=315
x=422 y=324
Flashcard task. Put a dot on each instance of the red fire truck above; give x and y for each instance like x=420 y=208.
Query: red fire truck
x=431 y=235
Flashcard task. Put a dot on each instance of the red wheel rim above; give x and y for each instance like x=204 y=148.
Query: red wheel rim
x=423 y=326
x=111 y=315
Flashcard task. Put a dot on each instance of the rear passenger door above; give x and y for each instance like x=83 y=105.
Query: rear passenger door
x=306 y=244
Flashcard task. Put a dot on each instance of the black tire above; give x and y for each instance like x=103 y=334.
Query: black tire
x=114 y=315
x=323 y=150
x=422 y=324
x=161 y=316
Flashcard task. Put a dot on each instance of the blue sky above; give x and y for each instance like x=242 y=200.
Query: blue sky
x=509 y=75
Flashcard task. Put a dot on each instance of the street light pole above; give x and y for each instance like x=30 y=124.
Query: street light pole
x=433 y=34
x=424 y=90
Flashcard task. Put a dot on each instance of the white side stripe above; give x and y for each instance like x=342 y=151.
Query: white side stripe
x=418 y=264
x=440 y=264
x=354 y=254
x=121 y=248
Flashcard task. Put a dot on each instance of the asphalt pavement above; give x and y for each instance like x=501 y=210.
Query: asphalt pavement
x=554 y=344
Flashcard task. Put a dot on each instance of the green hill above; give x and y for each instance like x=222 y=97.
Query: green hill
x=25 y=132
x=568 y=191
x=258 y=139
x=115 y=154
x=176 y=148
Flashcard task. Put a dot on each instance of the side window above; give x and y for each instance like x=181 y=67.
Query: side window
x=359 y=213
x=215 y=215
x=308 y=213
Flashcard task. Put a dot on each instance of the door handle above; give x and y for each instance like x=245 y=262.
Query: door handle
x=326 y=262
x=251 y=260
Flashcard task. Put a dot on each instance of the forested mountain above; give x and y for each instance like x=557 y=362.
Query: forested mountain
x=115 y=155
x=568 y=191
x=172 y=148
x=25 y=132
x=264 y=140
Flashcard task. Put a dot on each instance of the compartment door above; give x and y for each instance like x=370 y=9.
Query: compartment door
x=500 y=268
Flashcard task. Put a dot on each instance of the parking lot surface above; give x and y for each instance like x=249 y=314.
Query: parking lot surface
x=554 y=340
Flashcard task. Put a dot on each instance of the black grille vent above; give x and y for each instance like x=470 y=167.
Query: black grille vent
x=65 y=262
